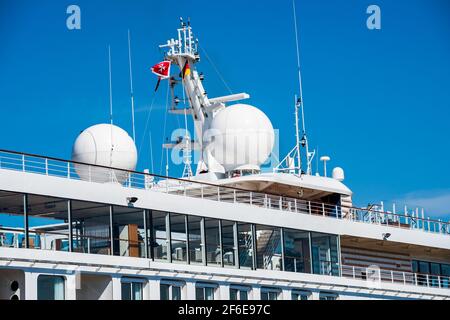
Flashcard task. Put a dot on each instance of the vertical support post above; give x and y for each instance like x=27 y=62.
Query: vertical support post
x=46 y=166
x=251 y=198
x=254 y=260
x=186 y=227
x=339 y=255
x=25 y=220
x=144 y=216
x=234 y=196
x=69 y=222
x=281 y=203
x=309 y=207
x=111 y=228
x=310 y=253
x=168 y=238
x=220 y=243
x=323 y=209
x=203 y=236
x=282 y=248
x=152 y=240
x=68 y=170
x=295 y=205
x=23 y=162
x=236 y=245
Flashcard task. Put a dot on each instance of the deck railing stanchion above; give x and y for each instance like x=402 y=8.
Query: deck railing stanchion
x=295 y=205
x=251 y=198
x=323 y=209
x=23 y=163
x=281 y=203
x=46 y=166
x=68 y=170
x=234 y=196
x=309 y=207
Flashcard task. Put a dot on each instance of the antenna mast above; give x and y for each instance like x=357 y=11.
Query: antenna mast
x=299 y=104
x=110 y=87
x=131 y=86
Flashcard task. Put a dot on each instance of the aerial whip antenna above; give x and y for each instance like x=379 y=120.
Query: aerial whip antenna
x=131 y=86
x=110 y=87
x=299 y=104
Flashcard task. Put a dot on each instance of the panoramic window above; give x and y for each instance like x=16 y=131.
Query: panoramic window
x=268 y=247
x=178 y=237
x=195 y=239
x=245 y=240
x=325 y=257
x=228 y=246
x=129 y=232
x=212 y=234
x=50 y=287
x=160 y=243
x=296 y=251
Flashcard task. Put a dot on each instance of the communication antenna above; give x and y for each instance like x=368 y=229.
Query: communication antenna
x=131 y=86
x=304 y=139
x=110 y=87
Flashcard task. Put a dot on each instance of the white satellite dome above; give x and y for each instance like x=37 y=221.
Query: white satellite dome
x=105 y=145
x=338 y=174
x=243 y=137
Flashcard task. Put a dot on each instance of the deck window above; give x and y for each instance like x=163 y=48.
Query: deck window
x=300 y=295
x=296 y=251
x=245 y=240
x=170 y=290
x=213 y=241
x=268 y=247
x=132 y=289
x=195 y=240
x=239 y=293
x=325 y=257
x=160 y=232
x=50 y=287
x=269 y=293
x=205 y=291
x=229 y=248
x=178 y=237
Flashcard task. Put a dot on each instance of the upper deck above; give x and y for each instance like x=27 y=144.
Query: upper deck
x=224 y=192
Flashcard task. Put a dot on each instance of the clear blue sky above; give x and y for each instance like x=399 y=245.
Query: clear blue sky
x=377 y=102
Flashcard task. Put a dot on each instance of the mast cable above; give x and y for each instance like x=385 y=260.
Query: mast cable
x=131 y=87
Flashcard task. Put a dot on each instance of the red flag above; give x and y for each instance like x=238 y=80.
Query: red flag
x=162 y=69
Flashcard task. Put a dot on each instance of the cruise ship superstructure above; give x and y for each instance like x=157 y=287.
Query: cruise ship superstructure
x=94 y=228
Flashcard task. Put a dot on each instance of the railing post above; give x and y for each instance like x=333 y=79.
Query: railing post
x=337 y=212
x=218 y=193
x=323 y=209
x=295 y=205
x=404 y=278
x=354 y=272
x=392 y=276
x=46 y=166
x=201 y=191
x=251 y=198
x=428 y=280
x=23 y=163
x=68 y=170
x=234 y=196
x=415 y=278
x=439 y=281
x=281 y=203
x=309 y=207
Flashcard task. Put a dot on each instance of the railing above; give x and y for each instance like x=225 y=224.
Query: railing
x=11 y=160
x=375 y=275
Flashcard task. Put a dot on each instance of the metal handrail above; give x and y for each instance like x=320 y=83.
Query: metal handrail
x=50 y=166
x=376 y=274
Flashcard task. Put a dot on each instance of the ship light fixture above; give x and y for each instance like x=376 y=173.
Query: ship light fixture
x=132 y=200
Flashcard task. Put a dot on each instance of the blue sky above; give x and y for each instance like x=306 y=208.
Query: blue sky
x=377 y=101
